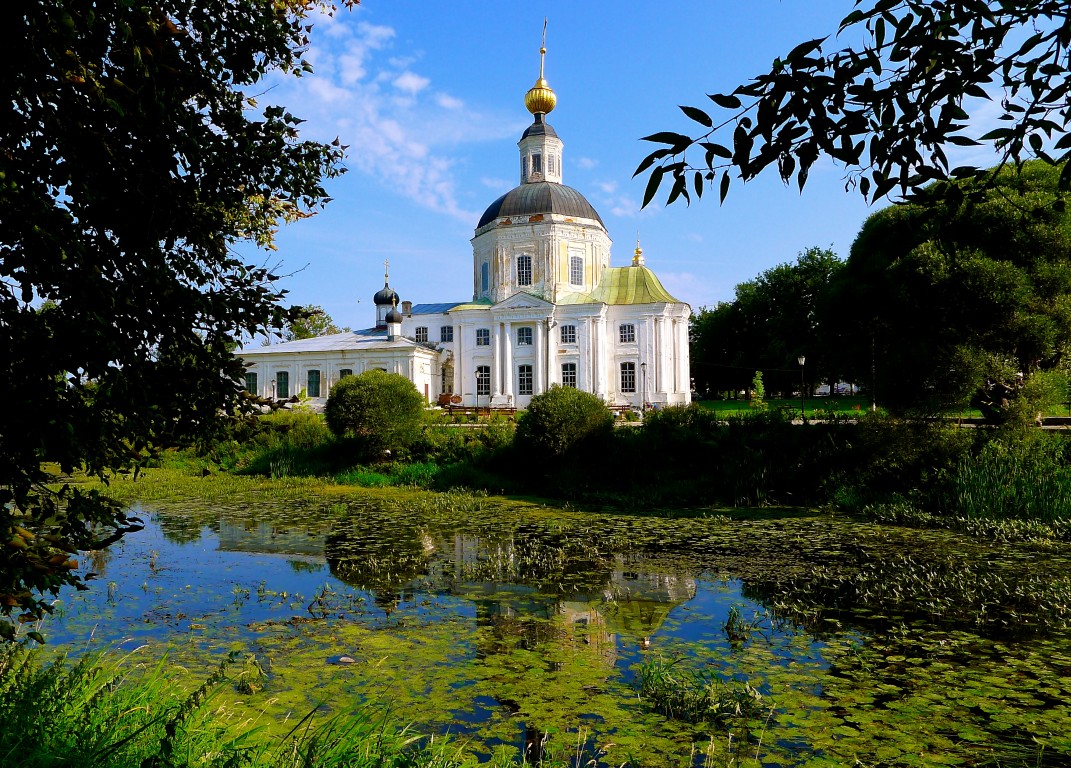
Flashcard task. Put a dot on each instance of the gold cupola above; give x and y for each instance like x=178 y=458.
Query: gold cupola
x=540 y=99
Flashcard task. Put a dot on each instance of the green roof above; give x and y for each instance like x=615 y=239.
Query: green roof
x=624 y=285
x=478 y=304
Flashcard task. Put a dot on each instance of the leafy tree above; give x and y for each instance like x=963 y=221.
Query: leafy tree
x=889 y=107
x=758 y=392
x=559 y=420
x=383 y=410
x=133 y=159
x=953 y=304
x=781 y=313
x=312 y=321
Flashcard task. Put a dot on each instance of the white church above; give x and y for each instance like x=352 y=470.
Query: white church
x=547 y=308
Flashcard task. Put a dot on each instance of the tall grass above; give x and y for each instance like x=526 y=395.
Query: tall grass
x=1028 y=481
x=112 y=713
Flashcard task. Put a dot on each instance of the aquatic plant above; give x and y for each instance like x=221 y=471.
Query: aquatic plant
x=680 y=692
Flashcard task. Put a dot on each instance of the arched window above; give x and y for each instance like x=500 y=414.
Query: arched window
x=576 y=270
x=524 y=269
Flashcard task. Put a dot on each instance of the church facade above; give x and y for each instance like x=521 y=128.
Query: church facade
x=547 y=309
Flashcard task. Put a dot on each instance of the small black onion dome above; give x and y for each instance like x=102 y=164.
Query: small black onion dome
x=385 y=297
x=393 y=316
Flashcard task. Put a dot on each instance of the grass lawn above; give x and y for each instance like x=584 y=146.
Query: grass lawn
x=816 y=406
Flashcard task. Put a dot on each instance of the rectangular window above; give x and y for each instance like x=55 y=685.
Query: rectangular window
x=282 y=384
x=446 y=334
x=568 y=334
x=524 y=379
x=524 y=337
x=627 y=333
x=483 y=380
x=550 y=164
x=569 y=375
x=344 y=372
x=484 y=277
x=628 y=377
x=251 y=382
x=421 y=333
x=576 y=270
x=483 y=337
x=537 y=164
x=313 y=390
x=524 y=269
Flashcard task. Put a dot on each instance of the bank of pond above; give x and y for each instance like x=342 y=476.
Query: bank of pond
x=299 y=621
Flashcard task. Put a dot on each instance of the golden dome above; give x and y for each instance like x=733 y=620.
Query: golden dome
x=540 y=97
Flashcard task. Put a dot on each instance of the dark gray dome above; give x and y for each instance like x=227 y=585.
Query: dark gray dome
x=539 y=128
x=385 y=297
x=394 y=316
x=540 y=197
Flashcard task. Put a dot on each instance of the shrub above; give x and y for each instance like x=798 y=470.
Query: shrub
x=560 y=419
x=381 y=410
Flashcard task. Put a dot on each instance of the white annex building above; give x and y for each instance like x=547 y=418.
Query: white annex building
x=547 y=308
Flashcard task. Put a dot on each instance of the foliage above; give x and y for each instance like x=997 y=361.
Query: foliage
x=134 y=160
x=312 y=321
x=758 y=392
x=561 y=419
x=696 y=696
x=772 y=320
x=382 y=410
x=888 y=107
x=100 y=712
x=961 y=303
x=1022 y=479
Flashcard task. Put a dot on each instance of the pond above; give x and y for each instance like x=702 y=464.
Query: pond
x=793 y=637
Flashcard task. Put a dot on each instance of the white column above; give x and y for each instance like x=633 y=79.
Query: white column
x=676 y=357
x=553 y=367
x=496 y=360
x=507 y=360
x=659 y=354
x=583 y=368
x=537 y=369
x=599 y=357
x=458 y=348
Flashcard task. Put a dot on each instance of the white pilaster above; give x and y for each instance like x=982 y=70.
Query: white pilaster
x=507 y=361
x=496 y=373
x=540 y=345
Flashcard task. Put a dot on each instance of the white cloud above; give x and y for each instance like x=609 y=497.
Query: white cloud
x=503 y=185
x=609 y=187
x=687 y=287
x=411 y=83
x=586 y=163
x=398 y=130
x=448 y=102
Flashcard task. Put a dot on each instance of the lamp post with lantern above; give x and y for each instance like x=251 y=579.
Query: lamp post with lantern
x=802 y=360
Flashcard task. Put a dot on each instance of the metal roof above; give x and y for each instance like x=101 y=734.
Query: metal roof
x=624 y=285
x=434 y=309
x=371 y=338
x=539 y=128
x=540 y=197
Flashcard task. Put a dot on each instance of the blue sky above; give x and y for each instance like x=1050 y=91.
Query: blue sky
x=429 y=98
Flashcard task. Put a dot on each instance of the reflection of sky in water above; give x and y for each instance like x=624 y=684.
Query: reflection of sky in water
x=152 y=587
x=220 y=586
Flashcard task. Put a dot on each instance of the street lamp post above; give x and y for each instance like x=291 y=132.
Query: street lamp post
x=803 y=391
x=643 y=369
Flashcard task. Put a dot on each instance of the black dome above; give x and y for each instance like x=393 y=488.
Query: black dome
x=394 y=316
x=540 y=197
x=385 y=297
x=539 y=128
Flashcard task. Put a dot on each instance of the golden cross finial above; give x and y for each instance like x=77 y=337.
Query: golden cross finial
x=543 y=48
x=386 y=271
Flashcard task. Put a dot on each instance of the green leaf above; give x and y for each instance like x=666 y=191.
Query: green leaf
x=724 y=190
x=652 y=185
x=724 y=101
x=697 y=115
x=676 y=141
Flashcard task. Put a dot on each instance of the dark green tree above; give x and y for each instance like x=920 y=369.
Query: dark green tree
x=133 y=158
x=773 y=319
x=312 y=322
x=382 y=410
x=889 y=107
x=953 y=303
x=559 y=420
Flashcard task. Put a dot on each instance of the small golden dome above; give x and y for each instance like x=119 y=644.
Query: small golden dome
x=540 y=97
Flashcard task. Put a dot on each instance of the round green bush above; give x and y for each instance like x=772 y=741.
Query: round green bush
x=560 y=419
x=383 y=410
